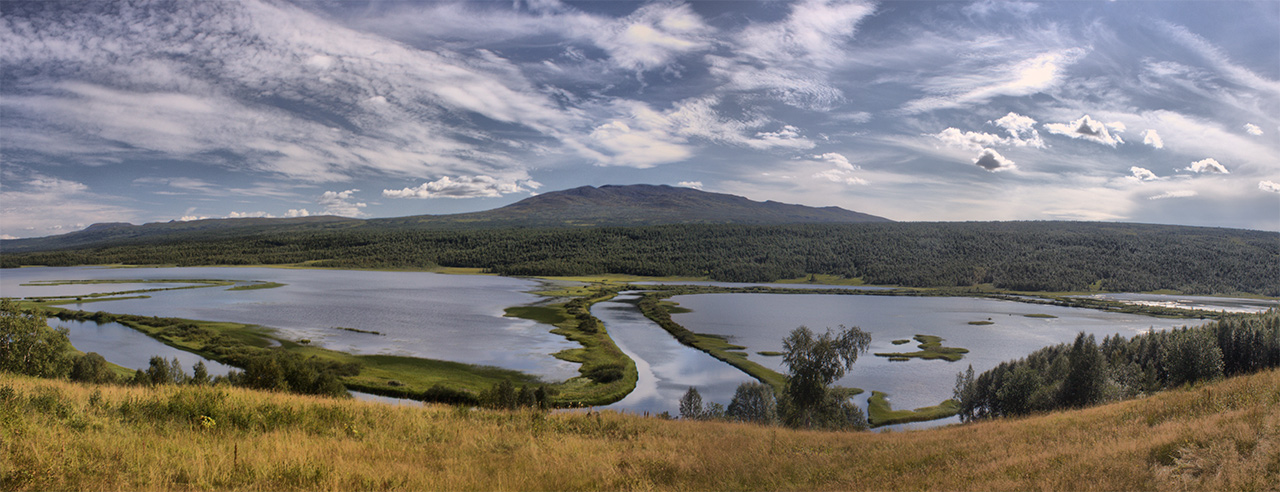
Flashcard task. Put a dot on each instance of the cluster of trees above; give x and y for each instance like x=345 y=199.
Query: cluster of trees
x=807 y=401
x=1086 y=373
x=1044 y=256
x=29 y=346
x=505 y=396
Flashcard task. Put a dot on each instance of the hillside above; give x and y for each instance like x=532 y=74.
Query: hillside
x=60 y=435
x=636 y=205
x=631 y=205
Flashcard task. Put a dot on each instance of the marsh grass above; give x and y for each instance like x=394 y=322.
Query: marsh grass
x=930 y=349
x=881 y=413
x=59 y=435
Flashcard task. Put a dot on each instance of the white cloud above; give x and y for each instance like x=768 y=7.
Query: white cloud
x=1252 y=129
x=340 y=203
x=1207 y=166
x=1142 y=174
x=992 y=161
x=297 y=212
x=249 y=215
x=839 y=160
x=1174 y=194
x=977 y=85
x=1270 y=186
x=1018 y=125
x=697 y=185
x=1150 y=137
x=465 y=187
x=33 y=204
x=840 y=176
x=1088 y=129
x=653 y=36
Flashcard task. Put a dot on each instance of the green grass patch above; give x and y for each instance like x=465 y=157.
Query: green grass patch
x=901 y=341
x=880 y=413
x=551 y=315
x=1039 y=315
x=771 y=353
x=930 y=349
x=258 y=286
x=982 y=323
x=823 y=279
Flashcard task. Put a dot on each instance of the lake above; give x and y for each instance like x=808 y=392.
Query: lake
x=448 y=317
x=761 y=321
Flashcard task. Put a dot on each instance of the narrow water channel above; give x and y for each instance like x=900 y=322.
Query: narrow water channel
x=130 y=348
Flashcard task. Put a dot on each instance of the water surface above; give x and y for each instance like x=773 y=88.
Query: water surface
x=448 y=317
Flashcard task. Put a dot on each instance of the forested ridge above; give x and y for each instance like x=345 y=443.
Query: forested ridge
x=1037 y=256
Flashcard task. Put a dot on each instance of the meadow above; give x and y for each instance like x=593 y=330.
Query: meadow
x=62 y=435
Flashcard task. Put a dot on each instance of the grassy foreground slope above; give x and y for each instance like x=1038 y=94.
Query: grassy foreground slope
x=61 y=435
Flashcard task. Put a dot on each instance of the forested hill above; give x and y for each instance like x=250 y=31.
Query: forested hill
x=636 y=205
x=631 y=205
x=1040 y=256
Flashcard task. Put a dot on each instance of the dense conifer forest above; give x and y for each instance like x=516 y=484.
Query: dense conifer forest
x=1039 y=256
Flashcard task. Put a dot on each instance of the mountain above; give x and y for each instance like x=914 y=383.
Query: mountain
x=631 y=205
x=636 y=205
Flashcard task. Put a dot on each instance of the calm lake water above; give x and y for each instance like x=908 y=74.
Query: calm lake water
x=666 y=368
x=131 y=348
x=448 y=317
x=761 y=321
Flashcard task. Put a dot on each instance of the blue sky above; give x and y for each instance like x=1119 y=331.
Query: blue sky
x=1139 y=111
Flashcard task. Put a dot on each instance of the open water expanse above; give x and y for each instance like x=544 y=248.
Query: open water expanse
x=448 y=317
x=761 y=321
x=460 y=318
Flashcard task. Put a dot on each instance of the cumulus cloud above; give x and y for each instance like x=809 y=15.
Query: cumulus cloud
x=465 y=187
x=1271 y=186
x=839 y=176
x=1207 y=166
x=1150 y=137
x=652 y=37
x=1088 y=129
x=341 y=203
x=1252 y=129
x=249 y=215
x=697 y=185
x=297 y=212
x=1142 y=174
x=1021 y=129
x=992 y=161
x=1174 y=194
x=838 y=160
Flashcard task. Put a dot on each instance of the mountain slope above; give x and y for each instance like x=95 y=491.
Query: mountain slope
x=631 y=205
x=634 y=205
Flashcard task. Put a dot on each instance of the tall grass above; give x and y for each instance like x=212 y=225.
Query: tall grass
x=62 y=435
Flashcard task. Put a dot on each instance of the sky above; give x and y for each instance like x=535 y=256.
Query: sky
x=151 y=111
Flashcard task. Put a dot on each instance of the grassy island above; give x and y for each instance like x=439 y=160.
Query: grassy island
x=930 y=349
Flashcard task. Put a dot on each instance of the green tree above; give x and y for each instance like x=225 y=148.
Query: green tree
x=691 y=405
x=1086 y=374
x=92 y=368
x=200 y=374
x=753 y=402
x=814 y=363
x=29 y=346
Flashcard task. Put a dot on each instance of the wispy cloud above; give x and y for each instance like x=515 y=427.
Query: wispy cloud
x=464 y=187
x=1150 y=137
x=1174 y=194
x=1252 y=129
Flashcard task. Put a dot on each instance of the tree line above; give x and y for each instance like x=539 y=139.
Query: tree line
x=1086 y=373
x=29 y=346
x=1037 y=256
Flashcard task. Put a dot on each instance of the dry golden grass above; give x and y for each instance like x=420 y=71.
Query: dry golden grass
x=58 y=435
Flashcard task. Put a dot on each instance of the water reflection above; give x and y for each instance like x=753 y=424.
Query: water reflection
x=761 y=321
x=448 y=317
x=666 y=368
x=130 y=348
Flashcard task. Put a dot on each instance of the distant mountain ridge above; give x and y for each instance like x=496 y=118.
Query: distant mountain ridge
x=636 y=205
x=586 y=206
